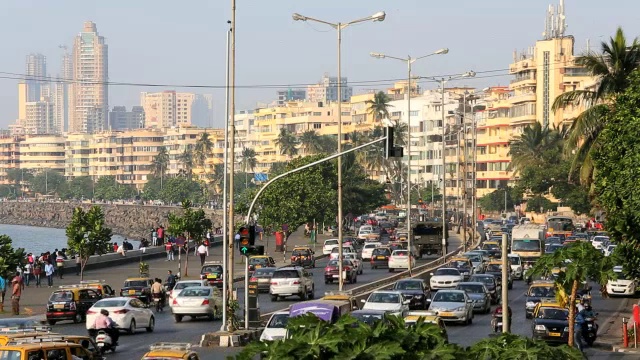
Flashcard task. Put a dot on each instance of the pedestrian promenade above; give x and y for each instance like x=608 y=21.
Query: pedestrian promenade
x=34 y=299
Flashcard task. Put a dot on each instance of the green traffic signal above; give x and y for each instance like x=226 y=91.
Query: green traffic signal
x=252 y=250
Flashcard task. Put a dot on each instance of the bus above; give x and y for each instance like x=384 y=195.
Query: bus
x=561 y=226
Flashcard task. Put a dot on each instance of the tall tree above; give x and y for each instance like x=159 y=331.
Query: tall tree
x=107 y=188
x=310 y=142
x=379 y=106
x=88 y=235
x=287 y=143
x=187 y=160
x=529 y=147
x=80 y=187
x=203 y=149
x=248 y=163
x=160 y=163
x=10 y=257
x=48 y=182
x=611 y=68
x=19 y=177
x=193 y=224
x=328 y=144
x=578 y=263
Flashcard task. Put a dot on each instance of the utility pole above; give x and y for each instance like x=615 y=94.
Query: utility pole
x=464 y=176
x=225 y=234
x=505 y=285
x=232 y=148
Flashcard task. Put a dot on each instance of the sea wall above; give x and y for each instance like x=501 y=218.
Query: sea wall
x=131 y=221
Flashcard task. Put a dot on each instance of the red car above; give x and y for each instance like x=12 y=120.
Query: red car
x=348 y=267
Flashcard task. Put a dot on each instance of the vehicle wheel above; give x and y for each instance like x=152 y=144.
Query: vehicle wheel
x=312 y=293
x=51 y=322
x=470 y=319
x=77 y=319
x=152 y=324
x=178 y=318
x=274 y=297
x=211 y=317
x=303 y=295
x=327 y=281
x=132 y=326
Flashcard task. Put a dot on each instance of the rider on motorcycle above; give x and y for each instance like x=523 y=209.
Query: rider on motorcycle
x=104 y=322
x=157 y=290
x=498 y=313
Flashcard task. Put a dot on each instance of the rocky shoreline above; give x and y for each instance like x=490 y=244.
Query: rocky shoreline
x=130 y=221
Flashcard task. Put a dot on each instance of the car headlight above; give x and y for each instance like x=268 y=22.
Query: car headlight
x=461 y=308
x=541 y=328
x=529 y=304
x=566 y=329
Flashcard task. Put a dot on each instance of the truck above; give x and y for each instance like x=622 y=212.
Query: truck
x=528 y=242
x=427 y=238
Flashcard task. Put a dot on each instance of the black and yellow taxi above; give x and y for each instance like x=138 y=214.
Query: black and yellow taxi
x=493 y=248
x=212 y=272
x=303 y=256
x=260 y=261
x=429 y=317
x=170 y=351
x=101 y=286
x=550 y=323
x=342 y=296
x=25 y=337
x=138 y=287
x=540 y=291
x=70 y=302
x=29 y=349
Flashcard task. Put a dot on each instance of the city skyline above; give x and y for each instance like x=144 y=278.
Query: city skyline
x=504 y=26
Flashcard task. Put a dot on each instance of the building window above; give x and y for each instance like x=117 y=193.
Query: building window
x=396 y=113
x=545 y=90
x=317 y=113
x=413 y=113
x=317 y=125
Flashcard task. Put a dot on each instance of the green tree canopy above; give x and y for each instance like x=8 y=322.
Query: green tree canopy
x=88 y=235
x=193 y=224
x=48 y=182
x=80 y=187
x=10 y=257
x=107 y=188
x=179 y=188
x=494 y=201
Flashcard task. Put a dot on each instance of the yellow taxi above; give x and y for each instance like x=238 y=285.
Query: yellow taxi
x=70 y=303
x=342 y=296
x=493 y=247
x=261 y=261
x=170 y=351
x=551 y=323
x=540 y=291
x=100 y=286
x=429 y=317
x=44 y=350
x=138 y=287
x=24 y=337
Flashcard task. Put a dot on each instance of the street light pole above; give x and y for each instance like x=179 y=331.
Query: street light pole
x=409 y=60
x=231 y=157
x=225 y=239
x=379 y=16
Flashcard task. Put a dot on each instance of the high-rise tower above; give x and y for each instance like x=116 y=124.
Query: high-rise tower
x=88 y=95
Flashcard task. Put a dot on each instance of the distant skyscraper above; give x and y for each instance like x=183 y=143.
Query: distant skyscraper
x=121 y=119
x=36 y=75
x=60 y=94
x=290 y=95
x=327 y=90
x=88 y=98
x=167 y=109
x=202 y=110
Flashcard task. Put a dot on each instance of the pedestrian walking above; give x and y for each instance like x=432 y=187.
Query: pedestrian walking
x=27 y=273
x=16 y=292
x=60 y=263
x=160 y=234
x=37 y=272
x=169 y=248
x=154 y=237
x=78 y=265
x=3 y=290
x=48 y=271
x=203 y=251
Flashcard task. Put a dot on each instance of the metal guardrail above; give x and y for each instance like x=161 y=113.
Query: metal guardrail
x=364 y=290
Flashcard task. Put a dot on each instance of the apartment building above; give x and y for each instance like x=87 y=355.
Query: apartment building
x=121 y=119
x=179 y=140
x=9 y=155
x=42 y=152
x=39 y=117
x=326 y=90
x=77 y=150
x=167 y=108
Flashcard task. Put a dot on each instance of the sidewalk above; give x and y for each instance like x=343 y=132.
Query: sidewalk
x=34 y=300
x=610 y=336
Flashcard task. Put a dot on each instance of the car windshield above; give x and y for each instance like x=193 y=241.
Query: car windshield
x=459 y=264
x=490 y=246
x=368 y=318
x=300 y=253
x=600 y=238
x=61 y=296
x=107 y=303
x=184 y=285
x=285 y=274
x=471 y=288
x=515 y=260
x=448 y=296
x=263 y=272
x=483 y=279
x=401 y=253
x=334 y=263
x=494 y=267
x=526 y=245
x=253 y=261
x=212 y=269
x=450 y=272
x=195 y=292
x=331 y=242
x=553 y=314
x=621 y=276
x=278 y=321
x=384 y=251
x=387 y=298
x=135 y=283
x=408 y=285
x=542 y=291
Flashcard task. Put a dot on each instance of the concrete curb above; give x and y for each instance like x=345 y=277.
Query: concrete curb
x=620 y=349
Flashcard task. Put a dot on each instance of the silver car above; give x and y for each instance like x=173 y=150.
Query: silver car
x=197 y=301
x=263 y=277
x=479 y=294
x=453 y=305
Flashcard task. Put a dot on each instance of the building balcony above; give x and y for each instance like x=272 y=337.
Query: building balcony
x=523 y=119
x=522 y=81
x=494 y=157
x=494 y=175
x=490 y=140
x=523 y=97
x=499 y=121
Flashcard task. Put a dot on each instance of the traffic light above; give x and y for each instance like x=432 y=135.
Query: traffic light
x=420 y=201
x=252 y=235
x=389 y=146
x=252 y=250
x=244 y=238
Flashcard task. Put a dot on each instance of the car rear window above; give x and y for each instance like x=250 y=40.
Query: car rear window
x=61 y=296
x=184 y=285
x=285 y=274
x=195 y=292
x=331 y=242
x=110 y=303
x=263 y=272
x=212 y=269
x=136 y=283
x=381 y=252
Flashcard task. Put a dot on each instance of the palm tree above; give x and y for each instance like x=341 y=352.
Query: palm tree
x=611 y=68
x=248 y=163
x=203 y=148
x=528 y=148
x=287 y=143
x=310 y=142
x=187 y=161
x=161 y=163
x=379 y=106
x=328 y=144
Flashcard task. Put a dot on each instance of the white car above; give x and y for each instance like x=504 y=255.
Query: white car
x=197 y=301
x=345 y=249
x=609 y=250
x=183 y=284
x=290 y=280
x=357 y=261
x=329 y=244
x=400 y=259
x=516 y=266
x=367 y=249
x=599 y=241
x=393 y=302
x=622 y=286
x=128 y=313
x=453 y=305
x=445 y=278
x=276 y=328
x=362 y=228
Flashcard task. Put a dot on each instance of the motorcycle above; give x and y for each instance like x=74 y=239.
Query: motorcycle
x=496 y=323
x=158 y=301
x=589 y=330
x=104 y=342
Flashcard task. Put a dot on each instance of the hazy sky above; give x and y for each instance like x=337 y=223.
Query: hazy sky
x=183 y=42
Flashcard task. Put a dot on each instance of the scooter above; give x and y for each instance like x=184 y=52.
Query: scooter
x=589 y=330
x=104 y=342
